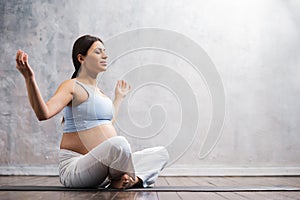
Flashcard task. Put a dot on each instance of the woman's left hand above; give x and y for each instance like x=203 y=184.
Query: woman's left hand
x=122 y=89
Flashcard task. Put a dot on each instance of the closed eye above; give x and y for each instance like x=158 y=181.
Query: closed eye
x=99 y=50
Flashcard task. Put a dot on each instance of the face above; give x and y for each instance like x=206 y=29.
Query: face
x=95 y=60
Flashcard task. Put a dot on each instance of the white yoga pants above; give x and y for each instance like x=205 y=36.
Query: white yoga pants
x=110 y=160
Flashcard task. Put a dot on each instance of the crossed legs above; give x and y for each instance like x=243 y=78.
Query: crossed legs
x=111 y=160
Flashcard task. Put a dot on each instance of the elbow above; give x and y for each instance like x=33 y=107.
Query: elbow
x=113 y=120
x=42 y=118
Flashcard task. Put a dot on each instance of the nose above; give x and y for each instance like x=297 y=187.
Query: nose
x=104 y=55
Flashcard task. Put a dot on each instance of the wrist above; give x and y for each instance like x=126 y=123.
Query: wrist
x=118 y=101
x=30 y=79
x=119 y=98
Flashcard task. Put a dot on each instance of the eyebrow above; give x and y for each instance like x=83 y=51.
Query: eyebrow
x=100 y=48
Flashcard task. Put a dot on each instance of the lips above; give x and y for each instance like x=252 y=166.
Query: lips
x=103 y=62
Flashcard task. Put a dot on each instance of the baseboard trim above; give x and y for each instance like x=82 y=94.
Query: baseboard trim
x=29 y=170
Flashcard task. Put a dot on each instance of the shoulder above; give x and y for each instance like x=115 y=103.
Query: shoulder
x=67 y=85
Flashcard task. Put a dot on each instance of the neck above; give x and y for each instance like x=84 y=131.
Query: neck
x=90 y=79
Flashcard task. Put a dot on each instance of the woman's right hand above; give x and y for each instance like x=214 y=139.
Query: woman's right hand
x=22 y=64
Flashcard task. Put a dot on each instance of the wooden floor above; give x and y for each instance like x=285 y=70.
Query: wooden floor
x=162 y=181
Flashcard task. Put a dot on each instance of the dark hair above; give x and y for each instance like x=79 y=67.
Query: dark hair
x=81 y=46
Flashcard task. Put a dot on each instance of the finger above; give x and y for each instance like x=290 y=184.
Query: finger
x=127 y=85
x=19 y=63
x=20 y=57
x=25 y=58
x=17 y=54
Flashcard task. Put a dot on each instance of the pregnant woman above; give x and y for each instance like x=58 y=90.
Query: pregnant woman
x=91 y=153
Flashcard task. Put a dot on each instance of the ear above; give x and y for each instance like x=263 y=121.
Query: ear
x=80 y=58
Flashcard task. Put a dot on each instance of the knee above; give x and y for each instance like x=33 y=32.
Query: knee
x=121 y=145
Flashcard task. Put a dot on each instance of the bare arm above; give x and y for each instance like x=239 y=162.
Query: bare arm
x=122 y=89
x=43 y=110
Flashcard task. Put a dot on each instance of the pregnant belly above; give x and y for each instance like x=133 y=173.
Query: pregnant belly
x=84 y=141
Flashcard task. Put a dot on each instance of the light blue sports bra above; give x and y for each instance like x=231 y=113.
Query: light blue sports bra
x=96 y=110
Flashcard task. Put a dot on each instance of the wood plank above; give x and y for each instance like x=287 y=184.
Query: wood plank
x=114 y=195
x=279 y=195
x=30 y=195
x=146 y=195
x=199 y=195
x=168 y=196
x=195 y=181
x=288 y=181
x=271 y=195
x=200 y=181
x=162 y=181
x=267 y=181
x=86 y=195
x=119 y=195
x=290 y=195
x=30 y=180
x=233 y=195
x=11 y=180
x=101 y=195
x=217 y=181
x=187 y=181
x=259 y=195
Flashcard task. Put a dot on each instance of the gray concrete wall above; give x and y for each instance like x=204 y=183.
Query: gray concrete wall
x=216 y=82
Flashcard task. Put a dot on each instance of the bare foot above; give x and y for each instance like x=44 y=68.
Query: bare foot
x=124 y=182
